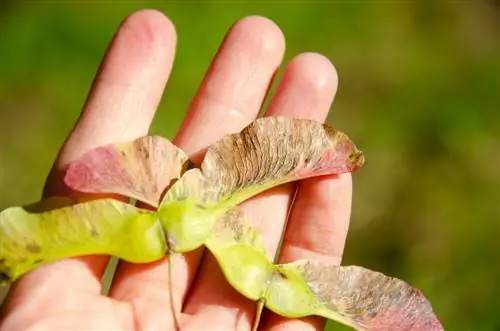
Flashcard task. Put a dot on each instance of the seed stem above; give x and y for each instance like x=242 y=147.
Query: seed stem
x=258 y=313
x=170 y=292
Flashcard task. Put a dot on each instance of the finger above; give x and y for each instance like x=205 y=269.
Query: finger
x=120 y=107
x=229 y=97
x=306 y=91
x=317 y=229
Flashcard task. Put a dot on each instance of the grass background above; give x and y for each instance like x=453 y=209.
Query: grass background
x=419 y=93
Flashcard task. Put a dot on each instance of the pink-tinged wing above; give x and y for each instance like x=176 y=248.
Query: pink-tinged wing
x=355 y=296
x=141 y=169
x=275 y=150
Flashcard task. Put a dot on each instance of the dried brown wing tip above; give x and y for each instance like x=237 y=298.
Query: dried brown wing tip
x=369 y=300
x=139 y=169
x=355 y=157
x=341 y=155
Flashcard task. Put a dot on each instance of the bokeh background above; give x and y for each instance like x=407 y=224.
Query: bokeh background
x=419 y=93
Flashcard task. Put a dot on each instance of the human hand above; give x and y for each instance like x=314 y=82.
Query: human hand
x=65 y=295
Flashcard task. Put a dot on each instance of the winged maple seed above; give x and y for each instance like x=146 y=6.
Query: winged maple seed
x=199 y=207
x=276 y=150
x=351 y=295
x=361 y=298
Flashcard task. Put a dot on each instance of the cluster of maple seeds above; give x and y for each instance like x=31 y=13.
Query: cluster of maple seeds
x=236 y=168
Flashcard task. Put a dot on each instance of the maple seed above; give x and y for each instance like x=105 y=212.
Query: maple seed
x=190 y=207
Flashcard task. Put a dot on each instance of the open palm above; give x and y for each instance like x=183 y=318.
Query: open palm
x=65 y=295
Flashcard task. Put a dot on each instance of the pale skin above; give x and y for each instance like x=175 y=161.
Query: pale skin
x=128 y=87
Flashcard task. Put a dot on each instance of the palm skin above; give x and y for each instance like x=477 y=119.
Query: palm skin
x=66 y=295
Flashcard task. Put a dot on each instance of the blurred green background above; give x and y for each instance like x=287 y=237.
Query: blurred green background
x=419 y=93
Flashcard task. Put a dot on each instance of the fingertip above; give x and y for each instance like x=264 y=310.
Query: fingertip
x=259 y=33
x=144 y=36
x=151 y=27
x=307 y=88
x=315 y=70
